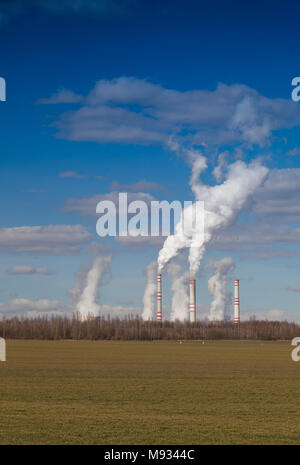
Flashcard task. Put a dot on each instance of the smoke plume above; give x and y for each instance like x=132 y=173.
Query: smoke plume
x=222 y=204
x=179 y=287
x=76 y=290
x=150 y=290
x=217 y=287
x=87 y=303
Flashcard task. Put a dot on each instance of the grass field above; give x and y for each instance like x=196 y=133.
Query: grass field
x=106 y=392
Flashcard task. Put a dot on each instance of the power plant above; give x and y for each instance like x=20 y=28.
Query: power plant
x=192 y=300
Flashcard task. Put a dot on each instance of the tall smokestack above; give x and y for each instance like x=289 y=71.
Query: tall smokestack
x=192 y=301
x=159 y=307
x=236 y=305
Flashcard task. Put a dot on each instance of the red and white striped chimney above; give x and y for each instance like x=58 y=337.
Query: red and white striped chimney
x=236 y=304
x=192 y=300
x=159 y=307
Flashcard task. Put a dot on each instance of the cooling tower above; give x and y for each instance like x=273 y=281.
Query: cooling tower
x=236 y=305
x=192 y=300
x=159 y=307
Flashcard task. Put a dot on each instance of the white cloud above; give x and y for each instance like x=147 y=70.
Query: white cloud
x=119 y=310
x=87 y=206
x=275 y=314
x=61 y=96
x=272 y=207
x=279 y=195
x=259 y=235
x=20 y=306
x=53 y=240
x=131 y=110
x=294 y=288
x=25 y=269
x=37 y=313
x=35 y=308
x=275 y=213
x=270 y=253
x=71 y=174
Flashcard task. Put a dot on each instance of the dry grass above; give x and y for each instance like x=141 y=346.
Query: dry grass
x=104 y=392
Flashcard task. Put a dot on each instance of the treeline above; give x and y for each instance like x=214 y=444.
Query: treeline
x=134 y=328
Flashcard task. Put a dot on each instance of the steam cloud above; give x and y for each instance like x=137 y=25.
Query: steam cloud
x=87 y=304
x=150 y=290
x=217 y=287
x=180 y=299
x=222 y=204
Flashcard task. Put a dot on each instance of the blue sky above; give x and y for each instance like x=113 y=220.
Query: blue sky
x=50 y=160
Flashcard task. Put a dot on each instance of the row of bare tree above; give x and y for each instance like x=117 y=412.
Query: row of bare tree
x=134 y=328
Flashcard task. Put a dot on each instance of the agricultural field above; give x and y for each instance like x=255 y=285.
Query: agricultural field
x=111 y=392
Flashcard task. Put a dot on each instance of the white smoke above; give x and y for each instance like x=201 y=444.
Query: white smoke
x=222 y=204
x=87 y=303
x=76 y=290
x=217 y=287
x=198 y=163
x=220 y=168
x=150 y=290
x=180 y=299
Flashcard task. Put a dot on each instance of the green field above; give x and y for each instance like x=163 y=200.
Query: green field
x=108 y=392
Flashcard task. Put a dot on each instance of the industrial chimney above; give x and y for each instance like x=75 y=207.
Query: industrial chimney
x=236 y=305
x=192 y=301
x=2 y=350
x=159 y=307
